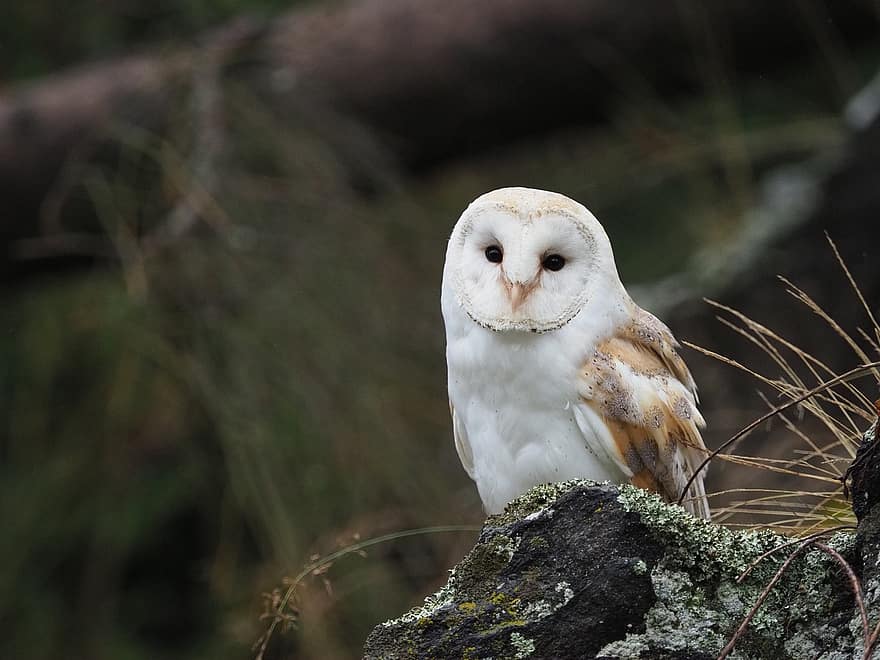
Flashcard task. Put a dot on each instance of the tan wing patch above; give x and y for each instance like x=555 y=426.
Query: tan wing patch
x=642 y=390
x=651 y=334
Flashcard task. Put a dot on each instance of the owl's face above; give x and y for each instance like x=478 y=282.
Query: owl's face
x=527 y=260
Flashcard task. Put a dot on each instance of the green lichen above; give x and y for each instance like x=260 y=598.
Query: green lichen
x=522 y=646
x=506 y=546
x=564 y=588
x=538 y=542
x=630 y=648
x=536 y=502
x=699 y=602
x=505 y=601
x=697 y=540
x=681 y=620
x=541 y=609
x=433 y=603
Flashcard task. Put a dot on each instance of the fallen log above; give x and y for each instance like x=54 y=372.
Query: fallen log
x=436 y=80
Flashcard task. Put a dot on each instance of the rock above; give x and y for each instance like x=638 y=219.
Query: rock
x=864 y=487
x=863 y=475
x=585 y=570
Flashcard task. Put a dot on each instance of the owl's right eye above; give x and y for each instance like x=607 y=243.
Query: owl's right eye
x=494 y=254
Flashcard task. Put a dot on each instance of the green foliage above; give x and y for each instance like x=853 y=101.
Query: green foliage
x=103 y=471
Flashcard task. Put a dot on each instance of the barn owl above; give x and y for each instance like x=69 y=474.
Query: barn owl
x=554 y=373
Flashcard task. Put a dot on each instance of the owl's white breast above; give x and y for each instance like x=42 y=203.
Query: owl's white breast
x=515 y=394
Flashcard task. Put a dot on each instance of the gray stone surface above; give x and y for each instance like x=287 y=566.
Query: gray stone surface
x=585 y=570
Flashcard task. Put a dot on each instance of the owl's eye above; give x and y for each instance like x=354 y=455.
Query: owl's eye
x=553 y=262
x=494 y=254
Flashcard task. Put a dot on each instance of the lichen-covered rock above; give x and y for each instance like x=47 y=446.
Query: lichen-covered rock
x=863 y=474
x=583 y=570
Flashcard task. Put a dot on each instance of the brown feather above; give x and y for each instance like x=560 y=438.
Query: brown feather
x=636 y=382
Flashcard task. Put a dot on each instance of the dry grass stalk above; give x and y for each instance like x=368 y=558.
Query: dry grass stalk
x=831 y=400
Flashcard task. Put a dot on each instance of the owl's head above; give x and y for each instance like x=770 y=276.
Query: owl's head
x=528 y=260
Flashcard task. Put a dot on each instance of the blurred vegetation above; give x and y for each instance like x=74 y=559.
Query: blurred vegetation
x=189 y=425
x=37 y=38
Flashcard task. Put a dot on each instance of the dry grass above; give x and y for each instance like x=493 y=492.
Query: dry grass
x=832 y=415
x=279 y=606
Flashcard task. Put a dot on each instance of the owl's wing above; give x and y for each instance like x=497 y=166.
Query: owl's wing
x=462 y=446
x=642 y=406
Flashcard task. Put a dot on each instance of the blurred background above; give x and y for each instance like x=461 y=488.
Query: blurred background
x=223 y=229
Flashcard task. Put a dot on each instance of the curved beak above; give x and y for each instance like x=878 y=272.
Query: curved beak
x=517 y=292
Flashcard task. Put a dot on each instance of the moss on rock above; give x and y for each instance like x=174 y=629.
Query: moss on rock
x=579 y=569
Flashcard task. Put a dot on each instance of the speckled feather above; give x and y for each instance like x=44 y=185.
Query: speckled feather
x=643 y=392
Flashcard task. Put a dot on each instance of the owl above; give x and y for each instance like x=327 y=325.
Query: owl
x=554 y=373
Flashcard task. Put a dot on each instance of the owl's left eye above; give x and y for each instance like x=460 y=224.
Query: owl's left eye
x=494 y=254
x=553 y=262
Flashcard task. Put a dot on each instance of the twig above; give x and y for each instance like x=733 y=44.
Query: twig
x=855 y=372
x=263 y=642
x=870 y=639
x=852 y=282
x=811 y=537
x=854 y=583
x=728 y=648
x=872 y=642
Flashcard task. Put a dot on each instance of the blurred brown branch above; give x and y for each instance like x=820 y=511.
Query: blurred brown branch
x=432 y=80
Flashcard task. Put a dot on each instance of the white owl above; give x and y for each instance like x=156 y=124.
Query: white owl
x=554 y=372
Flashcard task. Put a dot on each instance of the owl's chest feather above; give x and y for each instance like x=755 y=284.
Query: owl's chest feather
x=510 y=372
x=516 y=399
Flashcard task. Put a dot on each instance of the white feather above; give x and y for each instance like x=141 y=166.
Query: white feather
x=515 y=376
